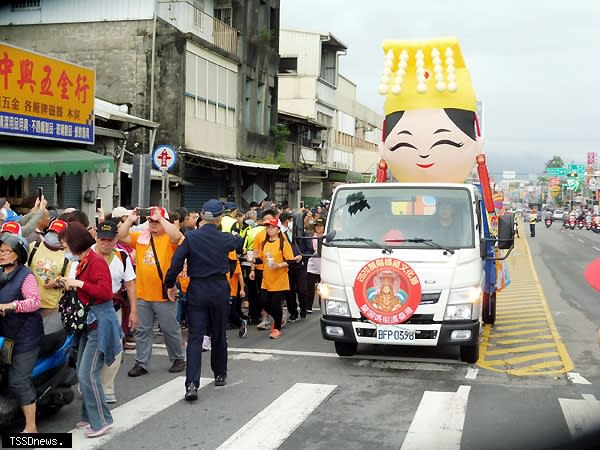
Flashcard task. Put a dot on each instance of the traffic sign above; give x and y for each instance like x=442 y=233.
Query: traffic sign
x=592 y=183
x=555 y=189
x=579 y=168
x=556 y=171
x=164 y=157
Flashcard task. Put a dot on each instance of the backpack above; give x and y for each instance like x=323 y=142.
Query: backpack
x=33 y=252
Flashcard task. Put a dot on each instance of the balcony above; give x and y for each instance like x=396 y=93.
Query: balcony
x=188 y=18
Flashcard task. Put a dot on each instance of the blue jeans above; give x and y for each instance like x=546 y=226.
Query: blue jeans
x=89 y=362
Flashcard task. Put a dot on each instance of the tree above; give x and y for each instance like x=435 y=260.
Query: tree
x=556 y=161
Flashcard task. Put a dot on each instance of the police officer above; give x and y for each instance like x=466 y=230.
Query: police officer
x=207 y=308
x=533 y=218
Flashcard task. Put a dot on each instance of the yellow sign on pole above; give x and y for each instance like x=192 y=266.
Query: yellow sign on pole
x=555 y=190
x=43 y=97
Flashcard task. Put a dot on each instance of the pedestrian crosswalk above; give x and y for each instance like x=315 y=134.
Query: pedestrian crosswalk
x=372 y=413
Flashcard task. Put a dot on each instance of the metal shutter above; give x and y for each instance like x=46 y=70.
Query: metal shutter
x=202 y=190
x=49 y=186
x=71 y=191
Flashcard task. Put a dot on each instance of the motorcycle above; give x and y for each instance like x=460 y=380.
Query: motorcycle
x=53 y=375
x=548 y=222
x=580 y=224
x=588 y=225
x=572 y=224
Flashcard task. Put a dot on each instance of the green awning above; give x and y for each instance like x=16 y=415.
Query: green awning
x=23 y=160
x=354 y=177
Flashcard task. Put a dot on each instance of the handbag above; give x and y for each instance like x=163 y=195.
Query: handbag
x=6 y=351
x=73 y=313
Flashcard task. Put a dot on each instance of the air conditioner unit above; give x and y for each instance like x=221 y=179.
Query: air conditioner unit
x=316 y=143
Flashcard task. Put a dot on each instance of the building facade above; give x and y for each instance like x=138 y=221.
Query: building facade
x=206 y=71
x=333 y=138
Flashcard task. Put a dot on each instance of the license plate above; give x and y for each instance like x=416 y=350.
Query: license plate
x=394 y=334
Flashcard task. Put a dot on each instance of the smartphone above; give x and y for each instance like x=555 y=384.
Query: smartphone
x=97 y=221
x=40 y=192
x=301 y=204
x=144 y=212
x=98 y=203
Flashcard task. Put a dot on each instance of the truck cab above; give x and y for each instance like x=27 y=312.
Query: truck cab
x=403 y=264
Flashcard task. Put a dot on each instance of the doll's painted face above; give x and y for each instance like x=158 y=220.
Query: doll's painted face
x=425 y=145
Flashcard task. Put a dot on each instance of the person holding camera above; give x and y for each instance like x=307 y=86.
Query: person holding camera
x=154 y=250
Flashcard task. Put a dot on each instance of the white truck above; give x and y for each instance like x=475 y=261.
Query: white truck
x=405 y=264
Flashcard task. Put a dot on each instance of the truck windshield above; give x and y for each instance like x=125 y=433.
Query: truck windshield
x=402 y=217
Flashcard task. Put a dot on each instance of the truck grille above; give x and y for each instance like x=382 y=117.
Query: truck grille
x=430 y=298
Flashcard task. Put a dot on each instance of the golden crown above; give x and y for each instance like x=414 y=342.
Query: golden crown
x=425 y=74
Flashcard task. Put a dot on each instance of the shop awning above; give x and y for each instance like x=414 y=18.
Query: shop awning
x=350 y=176
x=231 y=161
x=23 y=160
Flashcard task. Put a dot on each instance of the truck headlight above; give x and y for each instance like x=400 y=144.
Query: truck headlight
x=336 y=308
x=336 y=301
x=464 y=295
x=459 y=312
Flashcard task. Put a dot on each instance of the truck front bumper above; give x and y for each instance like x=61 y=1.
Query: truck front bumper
x=346 y=330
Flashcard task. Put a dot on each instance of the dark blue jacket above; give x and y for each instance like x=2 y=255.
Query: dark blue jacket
x=206 y=251
x=26 y=329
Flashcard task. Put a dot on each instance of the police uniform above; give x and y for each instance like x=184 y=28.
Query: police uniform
x=207 y=308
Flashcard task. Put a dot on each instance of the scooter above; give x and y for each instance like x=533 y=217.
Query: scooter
x=572 y=223
x=548 y=223
x=53 y=376
x=580 y=224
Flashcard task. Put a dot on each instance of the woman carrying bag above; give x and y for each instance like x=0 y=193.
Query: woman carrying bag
x=20 y=322
x=100 y=341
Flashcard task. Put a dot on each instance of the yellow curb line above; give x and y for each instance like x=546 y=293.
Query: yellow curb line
x=532 y=370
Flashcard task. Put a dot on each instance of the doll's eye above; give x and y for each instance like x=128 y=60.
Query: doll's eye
x=448 y=142
x=402 y=144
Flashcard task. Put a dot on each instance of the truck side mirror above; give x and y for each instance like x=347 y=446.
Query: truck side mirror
x=506 y=231
x=483 y=248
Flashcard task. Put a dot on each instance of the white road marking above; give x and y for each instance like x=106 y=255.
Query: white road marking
x=136 y=411
x=576 y=378
x=582 y=416
x=404 y=365
x=439 y=421
x=161 y=350
x=596 y=248
x=472 y=373
x=272 y=426
x=252 y=357
x=580 y=240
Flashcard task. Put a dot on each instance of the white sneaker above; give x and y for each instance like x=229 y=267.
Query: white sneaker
x=110 y=398
x=264 y=325
x=206 y=344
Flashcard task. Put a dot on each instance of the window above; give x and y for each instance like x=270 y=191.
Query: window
x=247 y=103
x=25 y=5
x=224 y=14
x=211 y=90
x=288 y=65
x=404 y=217
x=260 y=109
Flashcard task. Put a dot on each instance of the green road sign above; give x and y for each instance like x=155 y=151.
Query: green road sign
x=556 y=171
x=579 y=168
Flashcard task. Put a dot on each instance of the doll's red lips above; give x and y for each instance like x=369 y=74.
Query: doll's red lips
x=425 y=166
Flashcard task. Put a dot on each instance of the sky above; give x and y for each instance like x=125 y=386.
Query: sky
x=535 y=64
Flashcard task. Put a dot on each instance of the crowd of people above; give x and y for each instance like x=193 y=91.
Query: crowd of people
x=195 y=271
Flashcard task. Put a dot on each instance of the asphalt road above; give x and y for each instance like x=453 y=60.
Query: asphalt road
x=295 y=393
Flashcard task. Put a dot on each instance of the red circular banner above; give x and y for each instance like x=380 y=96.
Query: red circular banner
x=387 y=291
